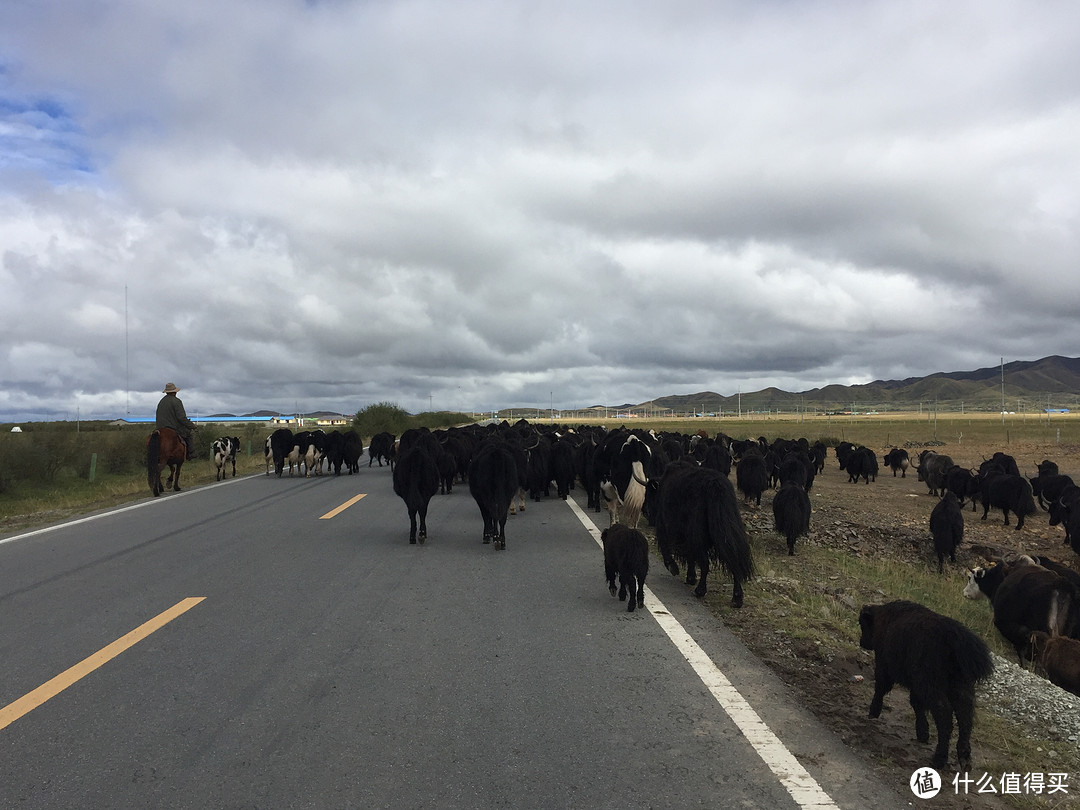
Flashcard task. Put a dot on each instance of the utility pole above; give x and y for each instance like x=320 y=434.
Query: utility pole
x=1003 y=390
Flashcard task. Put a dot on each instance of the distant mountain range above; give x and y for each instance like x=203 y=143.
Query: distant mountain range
x=1052 y=382
x=1030 y=385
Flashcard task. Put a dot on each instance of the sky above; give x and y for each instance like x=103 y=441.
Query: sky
x=469 y=205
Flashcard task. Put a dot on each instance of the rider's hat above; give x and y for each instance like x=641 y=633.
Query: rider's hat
x=170 y=388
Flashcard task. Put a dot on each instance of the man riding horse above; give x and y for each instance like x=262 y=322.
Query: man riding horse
x=171 y=414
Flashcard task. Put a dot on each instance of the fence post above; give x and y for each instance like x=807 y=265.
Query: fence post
x=93 y=466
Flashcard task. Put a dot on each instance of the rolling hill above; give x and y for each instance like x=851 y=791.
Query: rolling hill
x=1052 y=382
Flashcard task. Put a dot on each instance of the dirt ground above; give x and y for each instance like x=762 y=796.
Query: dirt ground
x=888 y=520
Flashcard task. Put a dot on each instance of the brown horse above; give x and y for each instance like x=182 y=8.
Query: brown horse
x=164 y=449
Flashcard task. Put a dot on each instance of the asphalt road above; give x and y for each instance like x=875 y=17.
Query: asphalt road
x=329 y=664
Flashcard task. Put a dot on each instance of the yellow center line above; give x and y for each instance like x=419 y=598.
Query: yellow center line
x=50 y=689
x=343 y=507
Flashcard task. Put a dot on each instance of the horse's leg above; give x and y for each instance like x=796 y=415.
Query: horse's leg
x=412 y=526
x=176 y=476
x=422 y=536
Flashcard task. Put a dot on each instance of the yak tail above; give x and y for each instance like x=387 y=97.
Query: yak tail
x=727 y=533
x=971 y=656
x=1060 y=620
x=153 y=455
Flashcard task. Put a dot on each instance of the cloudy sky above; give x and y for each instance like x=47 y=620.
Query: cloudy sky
x=472 y=205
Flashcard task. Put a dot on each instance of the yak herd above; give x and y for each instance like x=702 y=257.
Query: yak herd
x=681 y=484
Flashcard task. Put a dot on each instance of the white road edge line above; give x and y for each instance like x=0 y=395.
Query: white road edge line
x=173 y=496
x=806 y=792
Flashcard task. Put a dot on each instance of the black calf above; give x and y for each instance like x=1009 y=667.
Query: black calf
x=626 y=553
x=791 y=513
x=938 y=660
x=947 y=526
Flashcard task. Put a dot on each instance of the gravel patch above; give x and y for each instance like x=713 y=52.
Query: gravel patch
x=1044 y=710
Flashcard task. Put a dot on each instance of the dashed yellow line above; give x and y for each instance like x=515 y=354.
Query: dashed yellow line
x=343 y=507
x=50 y=689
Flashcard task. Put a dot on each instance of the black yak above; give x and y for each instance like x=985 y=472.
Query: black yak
x=562 y=467
x=947 y=527
x=281 y=447
x=752 y=477
x=1048 y=488
x=964 y=484
x=934 y=470
x=718 y=458
x=381 y=447
x=1065 y=512
x=1009 y=493
x=493 y=482
x=538 y=456
x=843 y=452
x=862 y=463
x=796 y=466
x=897 y=459
x=697 y=521
x=351 y=452
x=938 y=660
x=791 y=513
x=1002 y=462
x=626 y=554
x=416 y=480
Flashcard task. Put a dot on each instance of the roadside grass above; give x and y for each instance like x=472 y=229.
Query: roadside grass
x=812 y=603
x=25 y=506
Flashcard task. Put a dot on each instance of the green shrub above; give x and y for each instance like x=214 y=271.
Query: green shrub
x=388 y=417
x=383 y=417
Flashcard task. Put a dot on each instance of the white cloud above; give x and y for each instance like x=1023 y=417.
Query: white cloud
x=487 y=203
